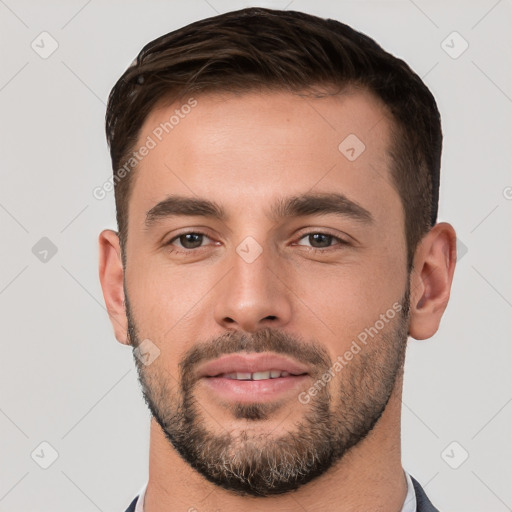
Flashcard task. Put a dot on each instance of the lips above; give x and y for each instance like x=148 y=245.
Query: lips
x=252 y=378
x=270 y=374
x=252 y=367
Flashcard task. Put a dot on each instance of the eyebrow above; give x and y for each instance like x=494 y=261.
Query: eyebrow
x=294 y=206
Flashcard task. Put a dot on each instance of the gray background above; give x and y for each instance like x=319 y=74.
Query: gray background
x=64 y=380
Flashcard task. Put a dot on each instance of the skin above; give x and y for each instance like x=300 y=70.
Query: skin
x=244 y=152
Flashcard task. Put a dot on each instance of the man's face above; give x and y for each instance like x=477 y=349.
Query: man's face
x=271 y=285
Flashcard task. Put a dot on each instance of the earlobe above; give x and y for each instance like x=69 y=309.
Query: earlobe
x=431 y=280
x=111 y=275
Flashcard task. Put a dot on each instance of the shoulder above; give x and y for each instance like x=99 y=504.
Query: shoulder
x=131 y=508
x=423 y=503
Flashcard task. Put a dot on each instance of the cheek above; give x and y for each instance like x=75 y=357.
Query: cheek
x=165 y=298
x=340 y=302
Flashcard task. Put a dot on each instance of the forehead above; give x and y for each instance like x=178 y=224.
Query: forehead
x=244 y=149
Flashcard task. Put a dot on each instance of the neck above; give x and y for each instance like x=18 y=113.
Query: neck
x=369 y=477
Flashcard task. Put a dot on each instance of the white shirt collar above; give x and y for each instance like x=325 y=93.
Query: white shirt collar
x=408 y=506
x=140 y=502
x=410 y=499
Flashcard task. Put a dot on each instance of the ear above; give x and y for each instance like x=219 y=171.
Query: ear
x=431 y=280
x=111 y=278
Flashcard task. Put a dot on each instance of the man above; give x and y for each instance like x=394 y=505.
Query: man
x=276 y=180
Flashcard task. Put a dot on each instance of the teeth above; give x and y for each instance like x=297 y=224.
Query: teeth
x=270 y=374
x=261 y=375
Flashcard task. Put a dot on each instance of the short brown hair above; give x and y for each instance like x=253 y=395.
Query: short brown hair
x=257 y=48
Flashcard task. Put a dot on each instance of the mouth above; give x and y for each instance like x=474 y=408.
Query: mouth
x=268 y=374
x=252 y=366
x=253 y=377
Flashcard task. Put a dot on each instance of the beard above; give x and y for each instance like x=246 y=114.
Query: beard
x=248 y=463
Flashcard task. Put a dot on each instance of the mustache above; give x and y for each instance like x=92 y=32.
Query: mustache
x=264 y=340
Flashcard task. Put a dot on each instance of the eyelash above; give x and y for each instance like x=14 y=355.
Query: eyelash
x=315 y=250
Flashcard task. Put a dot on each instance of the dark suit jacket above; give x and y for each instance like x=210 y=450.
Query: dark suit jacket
x=423 y=503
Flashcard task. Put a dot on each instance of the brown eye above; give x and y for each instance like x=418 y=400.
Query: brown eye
x=189 y=240
x=320 y=240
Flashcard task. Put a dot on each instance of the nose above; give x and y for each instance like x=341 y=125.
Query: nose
x=253 y=295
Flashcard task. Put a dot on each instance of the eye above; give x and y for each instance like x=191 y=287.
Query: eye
x=189 y=241
x=320 y=241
